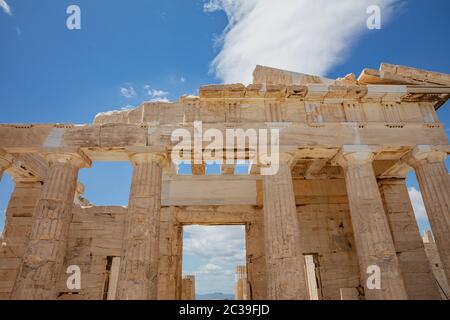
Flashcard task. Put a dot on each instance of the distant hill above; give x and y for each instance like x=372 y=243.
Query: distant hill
x=215 y=296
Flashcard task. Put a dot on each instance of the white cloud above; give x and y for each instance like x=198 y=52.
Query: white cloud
x=210 y=268
x=221 y=244
x=417 y=203
x=127 y=107
x=182 y=79
x=212 y=6
x=156 y=94
x=164 y=99
x=128 y=91
x=298 y=35
x=6 y=8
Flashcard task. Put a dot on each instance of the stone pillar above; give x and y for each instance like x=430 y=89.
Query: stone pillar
x=139 y=268
x=170 y=256
x=284 y=259
x=374 y=244
x=44 y=256
x=19 y=219
x=188 y=288
x=434 y=182
x=416 y=272
x=256 y=260
x=241 y=291
x=436 y=265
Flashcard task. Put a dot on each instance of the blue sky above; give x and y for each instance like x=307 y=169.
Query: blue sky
x=128 y=52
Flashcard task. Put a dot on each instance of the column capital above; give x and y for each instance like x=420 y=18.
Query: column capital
x=425 y=154
x=354 y=155
x=158 y=158
x=76 y=159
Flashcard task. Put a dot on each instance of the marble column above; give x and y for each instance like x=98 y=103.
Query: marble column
x=139 y=268
x=417 y=274
x=18 y=222
x=44 y=256
x=434 y=182
x=373 y=239
x=284 y=259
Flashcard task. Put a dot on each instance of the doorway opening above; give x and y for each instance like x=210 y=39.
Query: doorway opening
x=211 y=255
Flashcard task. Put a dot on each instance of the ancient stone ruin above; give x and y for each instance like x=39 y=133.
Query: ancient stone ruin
x=241 y=289
x=334 y=217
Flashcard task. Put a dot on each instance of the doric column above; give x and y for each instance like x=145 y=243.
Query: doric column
x=284 y=258
x=44 y=256
x=374 y=244
x=434 y=182
x=21 y=207
x=139 y=267
x=417 y=274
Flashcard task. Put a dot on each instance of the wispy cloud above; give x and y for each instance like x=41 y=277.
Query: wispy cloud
x=298 y=35
x=127 y=107
x=128 y=91
x=156 y=95
x=6 y=8
x=210 y=268
x=221 y=244
x=164 y=99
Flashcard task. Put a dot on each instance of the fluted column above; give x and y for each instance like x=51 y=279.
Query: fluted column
x=44 y=256
x=139 y=267
x=374 y=244
x=434 y=182
x=284 y=258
